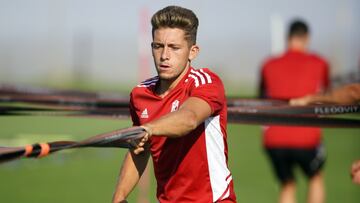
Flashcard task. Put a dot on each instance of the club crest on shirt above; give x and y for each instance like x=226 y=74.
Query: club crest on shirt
x=144 y=114
x=175 y=105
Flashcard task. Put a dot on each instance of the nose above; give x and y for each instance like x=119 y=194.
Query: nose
x=165 y=54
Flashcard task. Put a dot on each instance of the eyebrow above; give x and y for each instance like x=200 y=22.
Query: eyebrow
x=169 y=44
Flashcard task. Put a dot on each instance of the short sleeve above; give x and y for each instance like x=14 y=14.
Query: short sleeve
x=209 y=87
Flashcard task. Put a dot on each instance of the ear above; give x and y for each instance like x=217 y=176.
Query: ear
x=194 y=51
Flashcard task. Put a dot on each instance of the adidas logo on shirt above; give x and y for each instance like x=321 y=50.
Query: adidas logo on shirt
x=144 y=114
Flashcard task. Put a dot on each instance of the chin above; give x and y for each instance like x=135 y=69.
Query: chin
x=167 y=77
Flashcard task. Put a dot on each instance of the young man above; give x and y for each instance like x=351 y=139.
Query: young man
x=296 y=73
x=183 y=111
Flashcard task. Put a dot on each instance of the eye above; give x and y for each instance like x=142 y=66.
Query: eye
x=156 y=45
x=174 y=47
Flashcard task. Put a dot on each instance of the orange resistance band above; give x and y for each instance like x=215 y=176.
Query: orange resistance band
x=45 y=149
x=28 y=150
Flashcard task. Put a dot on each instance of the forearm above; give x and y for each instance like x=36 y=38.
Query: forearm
x=179 y=123
x=346 y=94
x=175 y=124
x=130 y=173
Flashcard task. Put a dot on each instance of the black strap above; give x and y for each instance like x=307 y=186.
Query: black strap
x=324 y=109
x=273 y=119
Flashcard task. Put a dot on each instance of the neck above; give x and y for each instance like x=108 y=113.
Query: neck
x=165 y=86
x=298 y=44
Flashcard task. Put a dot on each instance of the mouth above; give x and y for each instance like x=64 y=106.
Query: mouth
x=164 y=66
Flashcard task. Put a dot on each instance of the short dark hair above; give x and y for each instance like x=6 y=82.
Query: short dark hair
x=177 y=17
x=298 y=28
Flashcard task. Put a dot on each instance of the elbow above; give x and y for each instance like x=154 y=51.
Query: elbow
x=191 y=122
x=185 y=125
x=117 y=199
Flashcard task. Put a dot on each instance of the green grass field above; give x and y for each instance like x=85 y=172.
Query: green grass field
x=89 y=175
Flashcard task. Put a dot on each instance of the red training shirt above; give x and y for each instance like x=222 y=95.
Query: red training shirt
x=294 y=74
x=192 y=168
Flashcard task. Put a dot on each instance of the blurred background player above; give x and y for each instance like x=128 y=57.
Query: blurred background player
x=294 y=74
x=347 y=94
x=183 y=111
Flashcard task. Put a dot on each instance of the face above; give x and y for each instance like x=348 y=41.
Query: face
x=171 y=53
